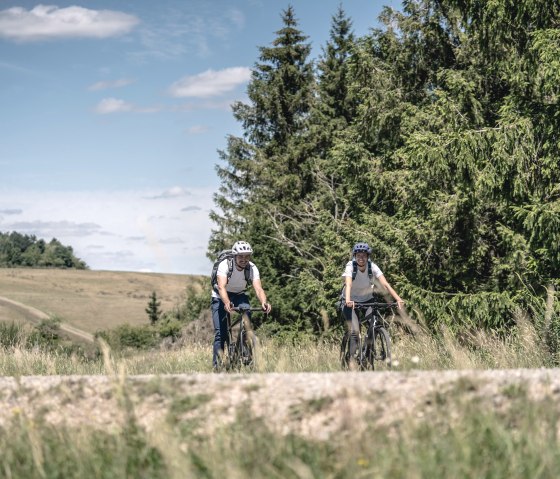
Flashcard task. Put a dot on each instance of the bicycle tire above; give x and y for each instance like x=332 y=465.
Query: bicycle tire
x=248 y=349
x=345 y=353
x=380 y=352
x=242 y=352
x=224 y=358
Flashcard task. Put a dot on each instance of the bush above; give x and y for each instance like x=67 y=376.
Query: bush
x=126 y=336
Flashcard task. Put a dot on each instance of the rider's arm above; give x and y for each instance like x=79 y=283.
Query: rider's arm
x=383 y=281
x=348 y=291
x=259 y=291
x=222 y=283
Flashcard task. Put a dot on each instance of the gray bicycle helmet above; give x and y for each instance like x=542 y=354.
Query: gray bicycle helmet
x=361 y=248
x=242 y=247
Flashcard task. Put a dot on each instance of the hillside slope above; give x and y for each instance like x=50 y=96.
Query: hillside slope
x=88 y=300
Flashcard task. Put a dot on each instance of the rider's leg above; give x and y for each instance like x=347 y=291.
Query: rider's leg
x=241 y=300
x=219 y=319
x=353 y=327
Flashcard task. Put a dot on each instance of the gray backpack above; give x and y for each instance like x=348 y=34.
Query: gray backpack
x=228 y=254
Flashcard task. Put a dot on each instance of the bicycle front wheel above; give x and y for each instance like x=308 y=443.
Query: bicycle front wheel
x=348 y=361
x=248 y=348
x=345 y=351
x=381 y=350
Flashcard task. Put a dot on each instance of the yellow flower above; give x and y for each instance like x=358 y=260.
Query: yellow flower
x=362 y=462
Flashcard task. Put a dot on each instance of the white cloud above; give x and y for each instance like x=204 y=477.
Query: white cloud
x=201 y=29
x=112 y=105
x=49 y=22
x=210 y=83
x=12 y=211
x=120 y=230
x=104 y=85
x=54 y=228
x=115 y=105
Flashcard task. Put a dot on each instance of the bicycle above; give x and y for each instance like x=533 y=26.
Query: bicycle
x=240 y=350
x=374 y=350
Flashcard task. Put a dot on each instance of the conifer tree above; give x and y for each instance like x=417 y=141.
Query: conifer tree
x=434 y=138
x=335 y=102
x=153 y=310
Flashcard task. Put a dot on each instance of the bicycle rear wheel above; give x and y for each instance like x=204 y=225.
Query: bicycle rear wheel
x=380 y=353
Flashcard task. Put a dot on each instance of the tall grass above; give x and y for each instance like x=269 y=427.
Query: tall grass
x=518 y=442
x=523 y=348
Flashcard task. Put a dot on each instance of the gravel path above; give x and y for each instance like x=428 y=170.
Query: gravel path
x=314 y=405
x=35 y=315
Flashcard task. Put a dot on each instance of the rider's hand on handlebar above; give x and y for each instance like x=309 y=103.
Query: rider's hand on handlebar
x=228 y=307
x=350 y=304
x=266 y=307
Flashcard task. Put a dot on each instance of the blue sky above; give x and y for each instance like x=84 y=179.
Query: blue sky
x=112 y=113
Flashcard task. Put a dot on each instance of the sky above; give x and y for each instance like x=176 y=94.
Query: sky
x=112 y=115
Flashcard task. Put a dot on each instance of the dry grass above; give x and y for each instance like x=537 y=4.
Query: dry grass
x=90 y=300
x=523 y=349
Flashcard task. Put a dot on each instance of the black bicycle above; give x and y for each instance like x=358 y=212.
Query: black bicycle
x=373 y=350
x=242 y=342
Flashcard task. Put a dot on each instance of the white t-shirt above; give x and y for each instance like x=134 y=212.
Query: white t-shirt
x=362 y=287
x=236 y=283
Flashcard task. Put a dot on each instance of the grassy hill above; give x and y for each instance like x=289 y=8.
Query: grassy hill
x=89 y=300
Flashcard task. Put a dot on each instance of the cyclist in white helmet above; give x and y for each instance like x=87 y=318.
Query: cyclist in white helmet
x=233 y=277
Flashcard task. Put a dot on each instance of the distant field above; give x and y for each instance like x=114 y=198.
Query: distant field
x=90 y=300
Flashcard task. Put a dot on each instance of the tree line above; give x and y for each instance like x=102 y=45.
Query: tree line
x=434 y=138
x=20 y=250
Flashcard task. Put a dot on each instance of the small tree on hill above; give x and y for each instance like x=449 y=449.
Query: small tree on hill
x=153 y=310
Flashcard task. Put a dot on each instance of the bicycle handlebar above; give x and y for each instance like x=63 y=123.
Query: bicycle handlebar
x=375 y=305
x=244 y=310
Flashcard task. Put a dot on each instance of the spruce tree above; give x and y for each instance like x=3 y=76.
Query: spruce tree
x=153 y=310
x=434 y=138
x=267 y=170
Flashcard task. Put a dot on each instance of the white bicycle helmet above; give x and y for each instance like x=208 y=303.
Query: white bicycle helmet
x=242 y=247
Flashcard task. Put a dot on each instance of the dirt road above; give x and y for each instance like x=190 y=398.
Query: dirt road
x=313 y=405
x=35 y=316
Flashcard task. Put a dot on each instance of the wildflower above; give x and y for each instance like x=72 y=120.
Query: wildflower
x=363 y=462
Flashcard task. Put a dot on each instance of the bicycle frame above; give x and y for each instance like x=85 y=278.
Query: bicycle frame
x=368 y=350
x=240 y=348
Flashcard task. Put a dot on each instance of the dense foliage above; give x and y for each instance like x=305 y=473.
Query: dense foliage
x=433 y=138
x=26 y=250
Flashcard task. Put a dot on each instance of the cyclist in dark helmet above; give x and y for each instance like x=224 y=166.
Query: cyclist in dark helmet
x=361 y=276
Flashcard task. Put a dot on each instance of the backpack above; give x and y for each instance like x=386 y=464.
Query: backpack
x=228 y=254
x=354 y=273
x=355 y=269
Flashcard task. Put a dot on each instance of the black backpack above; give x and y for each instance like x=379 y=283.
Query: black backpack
x=355 y=269
x=354 y=273
x=228 y=254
